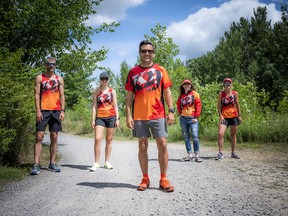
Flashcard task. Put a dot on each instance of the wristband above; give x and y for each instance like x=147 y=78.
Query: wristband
x=62 y=110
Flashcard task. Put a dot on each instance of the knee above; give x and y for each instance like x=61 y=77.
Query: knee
x=54 y=136
x=39 y=137
x=220 y=134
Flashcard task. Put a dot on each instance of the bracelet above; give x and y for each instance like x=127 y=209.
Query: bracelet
x=118 y=118
x=239 y=115
x=62 y=110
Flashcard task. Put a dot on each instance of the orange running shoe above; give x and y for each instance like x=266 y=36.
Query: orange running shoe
x=164 y=185
x=144 y=184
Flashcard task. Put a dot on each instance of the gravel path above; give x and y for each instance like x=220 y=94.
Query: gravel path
x=228 y=187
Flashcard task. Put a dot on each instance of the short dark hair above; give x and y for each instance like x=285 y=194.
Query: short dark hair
x=145 y=42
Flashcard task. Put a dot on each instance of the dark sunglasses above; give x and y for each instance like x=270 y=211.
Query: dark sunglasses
x=104 y=78
x=227 y=83
x=145 y=51
x=50 y=64
x=186 y=84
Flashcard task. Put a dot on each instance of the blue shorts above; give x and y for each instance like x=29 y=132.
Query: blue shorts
x=50 y=117
x=158 y=128
x=108 y=122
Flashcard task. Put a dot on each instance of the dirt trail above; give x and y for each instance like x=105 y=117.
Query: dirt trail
x=229 y=187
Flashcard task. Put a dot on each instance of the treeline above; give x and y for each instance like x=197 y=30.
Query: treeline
x=253 y=53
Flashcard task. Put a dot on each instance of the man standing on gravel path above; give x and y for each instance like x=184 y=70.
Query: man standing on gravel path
x=50 y=109
x=149 y=84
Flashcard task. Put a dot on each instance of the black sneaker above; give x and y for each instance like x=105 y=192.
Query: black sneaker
x=234 y=155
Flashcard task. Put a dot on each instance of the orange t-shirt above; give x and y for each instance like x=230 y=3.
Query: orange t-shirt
x=228 y=105
x=105 y=104
x=189 y=104
x=50 y=93
x=148 y=85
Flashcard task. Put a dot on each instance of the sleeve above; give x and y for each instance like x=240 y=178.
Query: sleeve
x=129 y=83
x=198 y=105
x=166 y=79
x=179 y=105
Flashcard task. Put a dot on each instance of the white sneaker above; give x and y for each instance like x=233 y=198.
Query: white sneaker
x=95 y=167
x=107 y=165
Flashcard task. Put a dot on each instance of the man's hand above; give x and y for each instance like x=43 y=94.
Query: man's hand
x=130 y=122
x=170 y=118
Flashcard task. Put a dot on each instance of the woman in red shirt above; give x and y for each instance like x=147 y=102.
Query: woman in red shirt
x=229 y=115
x=189 y=107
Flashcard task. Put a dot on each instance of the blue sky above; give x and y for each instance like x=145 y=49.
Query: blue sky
x=194 y=25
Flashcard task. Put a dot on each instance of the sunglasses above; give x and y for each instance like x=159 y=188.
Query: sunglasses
x=104 y=78
x=227 y=83
x=186 y=84
x=50 y=64
x=145 y=51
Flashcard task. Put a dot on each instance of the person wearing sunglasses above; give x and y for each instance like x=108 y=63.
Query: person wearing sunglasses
x=189 y=107
x=147 y=86
x=104 y=115
x=229 y=116
x=50 y=109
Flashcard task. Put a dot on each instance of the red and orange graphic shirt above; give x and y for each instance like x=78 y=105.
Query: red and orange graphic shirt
x=228 y=105
x=189 y=104
x=50 y=93
x=148 y=84
x=105 y=104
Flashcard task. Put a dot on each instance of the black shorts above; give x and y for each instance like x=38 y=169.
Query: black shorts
x=230 y=122
x=50 y=117
x=108 y=122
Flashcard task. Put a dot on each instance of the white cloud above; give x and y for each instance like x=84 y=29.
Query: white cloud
x=200 y=32
x=109 y=12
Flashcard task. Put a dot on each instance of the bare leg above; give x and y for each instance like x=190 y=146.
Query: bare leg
x=99 y=130
x=38 y=146
x=233 y=136
x=53 y=145
x=108 y=149
x=143 y=154
x=162 y=154
x=221 y=132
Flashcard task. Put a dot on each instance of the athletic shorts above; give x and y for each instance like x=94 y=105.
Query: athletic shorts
x=50 y=117
x=108 y=122
x=230 y=122
x=144 y=128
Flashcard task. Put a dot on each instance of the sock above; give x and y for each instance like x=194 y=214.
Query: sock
x=145 y=175
x=163 y=176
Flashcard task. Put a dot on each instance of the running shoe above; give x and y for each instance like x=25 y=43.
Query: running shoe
x=165 y=185
x=187 y=158
x=220 y=156
x=234 y=155
x=197 y=158
x=35 y=170
x=94 y=167
x=144 y=184
x=107 y=165
x=53 y=167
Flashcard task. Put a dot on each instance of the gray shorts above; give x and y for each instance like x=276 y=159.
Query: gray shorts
x=108 y=122
x=143 y=128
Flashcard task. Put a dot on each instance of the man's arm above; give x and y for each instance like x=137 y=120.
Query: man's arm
x=37 y=87
x=169 y=101
x=129 y=101
x=62 y=99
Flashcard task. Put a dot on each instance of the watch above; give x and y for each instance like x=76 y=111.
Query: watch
x=171 y=110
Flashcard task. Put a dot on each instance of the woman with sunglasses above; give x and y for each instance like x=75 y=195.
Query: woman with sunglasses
x=229 y=115
x=189 y=107
x=104 y=115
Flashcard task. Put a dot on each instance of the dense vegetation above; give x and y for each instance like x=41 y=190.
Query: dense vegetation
x=253 y=52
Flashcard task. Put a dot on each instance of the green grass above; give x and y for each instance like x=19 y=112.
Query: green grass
x=11 y=174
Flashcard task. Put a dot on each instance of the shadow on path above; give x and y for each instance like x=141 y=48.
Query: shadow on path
x=81 y=167
x=107 y=185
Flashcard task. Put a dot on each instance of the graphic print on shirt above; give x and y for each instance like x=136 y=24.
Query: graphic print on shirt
x=188 y=100
x=228 y=102
x=104 y=103
x=50 y=94
x=148 y=79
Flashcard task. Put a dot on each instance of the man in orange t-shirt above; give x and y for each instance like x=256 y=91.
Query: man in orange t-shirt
x=147 y=85
x=50 y=108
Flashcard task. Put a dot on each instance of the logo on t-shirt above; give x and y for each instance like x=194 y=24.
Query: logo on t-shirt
x=148 y=80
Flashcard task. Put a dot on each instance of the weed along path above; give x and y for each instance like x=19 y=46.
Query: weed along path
x=249 y=186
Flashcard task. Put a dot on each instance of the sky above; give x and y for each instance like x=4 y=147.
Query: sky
x=194 y=25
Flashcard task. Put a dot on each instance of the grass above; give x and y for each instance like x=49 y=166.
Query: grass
x=9 y=175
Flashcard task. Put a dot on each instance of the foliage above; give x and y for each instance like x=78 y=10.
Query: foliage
x=16 y=104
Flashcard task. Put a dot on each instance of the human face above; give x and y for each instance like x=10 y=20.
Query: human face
x=146 y=54
x=50 y=65
x=227 y=84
